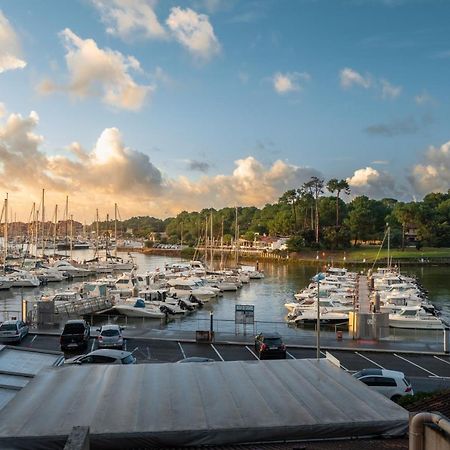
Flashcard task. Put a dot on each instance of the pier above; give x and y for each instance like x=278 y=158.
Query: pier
x=363 y=294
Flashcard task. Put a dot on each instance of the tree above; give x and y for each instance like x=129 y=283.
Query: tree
x=291 y=198
x=338 y=186
x=315 y=185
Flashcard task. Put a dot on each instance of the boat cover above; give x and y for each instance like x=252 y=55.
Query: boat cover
x=218 y=403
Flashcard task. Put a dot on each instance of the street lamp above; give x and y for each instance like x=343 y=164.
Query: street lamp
x=317 y=279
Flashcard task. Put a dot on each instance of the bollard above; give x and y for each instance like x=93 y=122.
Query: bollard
x=339 y=335
x=446 y=340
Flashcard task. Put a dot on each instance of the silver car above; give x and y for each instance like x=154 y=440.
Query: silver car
x=110 y=336
x=104 y=356
x=13 y=331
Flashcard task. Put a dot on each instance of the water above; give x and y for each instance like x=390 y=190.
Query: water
x=268 y=295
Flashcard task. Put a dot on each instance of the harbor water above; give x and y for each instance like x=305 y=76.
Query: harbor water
x=268 y=295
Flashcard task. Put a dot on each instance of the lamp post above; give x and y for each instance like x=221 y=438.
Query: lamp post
x=317 y=279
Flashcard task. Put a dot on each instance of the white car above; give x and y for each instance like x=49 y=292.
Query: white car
x=110 y=336
x=13 y=331
x=103 y=356
x=390 y=383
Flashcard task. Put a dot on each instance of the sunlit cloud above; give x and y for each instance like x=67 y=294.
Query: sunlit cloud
x=96 y=72
x=194 y=32
x=283 y=83
x=373 y=183
x=349 y=78
x=130 y=18
x=10 y=51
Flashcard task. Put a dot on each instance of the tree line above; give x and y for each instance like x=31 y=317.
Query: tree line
x=312 y=216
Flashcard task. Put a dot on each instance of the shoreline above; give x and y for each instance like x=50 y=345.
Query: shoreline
x=311 y=258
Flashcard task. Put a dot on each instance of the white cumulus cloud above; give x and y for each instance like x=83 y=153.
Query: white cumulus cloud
x=194 y=32
x=128 y=18
x=350 y=78
x=373 y=183
x=284 y=83
x=434 y=174
x=10 y=52
x=99 y=72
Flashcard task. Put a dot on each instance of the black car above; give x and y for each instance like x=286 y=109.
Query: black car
x=75 y=335
x=269 y=345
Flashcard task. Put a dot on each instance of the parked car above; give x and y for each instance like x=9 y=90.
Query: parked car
x=110 y=336
x=103 y=356
x=196 y=359
x=270 y=345
x=13 y=331
x=390 y=383
x=75 y=335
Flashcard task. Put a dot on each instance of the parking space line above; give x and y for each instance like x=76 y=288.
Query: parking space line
x=93 y=343
x=251 y=351
x=443 y=360
x=32 y=340
x=291 y=356
x=368 y=359
x=218 y=354
x=182 y=350
x=341 y=365
x=417 y=365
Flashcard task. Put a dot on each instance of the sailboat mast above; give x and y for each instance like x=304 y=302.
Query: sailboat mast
x=71 y=237
x=55 y=230
x=96 y=233
x=43 y=223
x=221 y=248
x=206 y=240
x=212 y=242
x=115 y=228
x=236 y=237
x=66 y=219
x=5 y=236
x=388 y=246
x=107 y=236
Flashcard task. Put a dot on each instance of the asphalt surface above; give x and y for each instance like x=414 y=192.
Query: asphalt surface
x=426 y=372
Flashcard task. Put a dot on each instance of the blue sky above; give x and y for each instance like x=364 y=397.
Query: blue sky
x=217 y=102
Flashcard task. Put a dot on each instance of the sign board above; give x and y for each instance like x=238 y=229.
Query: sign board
x=244 y=314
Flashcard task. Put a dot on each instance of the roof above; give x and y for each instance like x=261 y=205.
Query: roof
x=19 y=365
x=221 y=403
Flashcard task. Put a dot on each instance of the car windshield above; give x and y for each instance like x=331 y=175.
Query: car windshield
x=272 y=341
x=8 y=327
x=128 y=359
x=110 y=333
x=72 y=328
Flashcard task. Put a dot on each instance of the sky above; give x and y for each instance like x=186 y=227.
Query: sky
x=164 y=106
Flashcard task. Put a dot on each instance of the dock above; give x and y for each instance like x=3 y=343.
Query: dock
x=363 y=294
x=83 y=307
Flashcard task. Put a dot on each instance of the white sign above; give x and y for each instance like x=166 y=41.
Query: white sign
x=244 y=314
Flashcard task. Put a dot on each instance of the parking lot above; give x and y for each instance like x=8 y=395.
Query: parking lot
x=429 y=369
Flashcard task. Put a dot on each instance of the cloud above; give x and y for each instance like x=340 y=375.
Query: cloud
x=289 y=81
x=214 y=6
x=96 y=72
x=388 y=90
x=350 y=78
x=110 y=172
x=380 y=161
x=201 y=166
x=424 y=98
x=10 y=52
x=434 y=174
x=395 y=128
x=130 y=18
x=2 y=110
x=373 y=183
x=194 y=32
x=444 y=54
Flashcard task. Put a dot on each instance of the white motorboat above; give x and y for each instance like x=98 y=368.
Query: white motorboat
x=137 y=307
x=185 y=288
x=325 y=316
x=50 y=275
x=5 y=283
x=71 y=270
x=415 y=317
x=22 y=278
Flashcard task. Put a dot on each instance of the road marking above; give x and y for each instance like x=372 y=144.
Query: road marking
x=93 y=343
x=148 y=353
x=341 y=365
x=218 y=354
x=443 y=360
x=125 y=344
x=417 y=365
x=368 y=359
x=182 y=351
x=251 y=351
x=291 y=356
x=32 y=340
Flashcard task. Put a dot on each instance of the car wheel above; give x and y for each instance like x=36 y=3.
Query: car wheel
x=396 y=398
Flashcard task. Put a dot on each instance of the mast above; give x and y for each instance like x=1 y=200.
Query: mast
x=221 y=248
x=71 y=237
x=107 y=236
x=236 y=237
x=55 y=230
x=5 y=236
x=388 y=246
x=66 y=219
x=36 y=233
x=96 y=233
x=115 y=228
x=212 y=242
x=43 y=223
x=206 y=240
